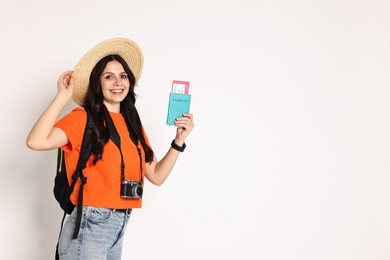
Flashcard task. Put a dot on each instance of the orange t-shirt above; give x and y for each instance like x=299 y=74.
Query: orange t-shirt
x=103 y=179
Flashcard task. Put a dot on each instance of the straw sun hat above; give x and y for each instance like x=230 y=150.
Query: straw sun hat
x=125 y=48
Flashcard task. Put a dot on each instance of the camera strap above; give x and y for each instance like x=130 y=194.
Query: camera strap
x=117 y=141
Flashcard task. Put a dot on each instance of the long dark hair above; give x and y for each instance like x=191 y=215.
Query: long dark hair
x=94 y=102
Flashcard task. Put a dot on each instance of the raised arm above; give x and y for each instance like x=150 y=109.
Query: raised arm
x=43 y=135
x=158 y=171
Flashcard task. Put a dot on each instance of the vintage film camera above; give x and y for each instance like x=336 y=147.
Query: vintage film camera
x=131 y=189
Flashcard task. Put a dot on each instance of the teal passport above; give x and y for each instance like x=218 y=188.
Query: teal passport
x=179 y=104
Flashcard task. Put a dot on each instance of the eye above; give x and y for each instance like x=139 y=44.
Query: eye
x=124 y=76
x=108 y=77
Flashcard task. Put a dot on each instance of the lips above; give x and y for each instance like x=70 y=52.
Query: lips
x=117 y=91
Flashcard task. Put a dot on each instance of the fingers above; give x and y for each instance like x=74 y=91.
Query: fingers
x=186 y=118
x=188 y=115
x=66 y=75
x=65 y=81
x=185 y=122
x=65 y=84
x=69 y=72
x=65 y=78
x=71 y=79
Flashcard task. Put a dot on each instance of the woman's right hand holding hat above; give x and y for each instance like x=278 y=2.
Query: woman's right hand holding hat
x=65 y=84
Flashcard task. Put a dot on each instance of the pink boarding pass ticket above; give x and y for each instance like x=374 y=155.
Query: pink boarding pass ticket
x=180 y=87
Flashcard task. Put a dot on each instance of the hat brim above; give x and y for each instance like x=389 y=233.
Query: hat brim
x=125 y=48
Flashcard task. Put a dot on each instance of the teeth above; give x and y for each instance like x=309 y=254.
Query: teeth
x=116 y=91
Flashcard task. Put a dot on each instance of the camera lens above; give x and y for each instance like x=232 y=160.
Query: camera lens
x=138 y=191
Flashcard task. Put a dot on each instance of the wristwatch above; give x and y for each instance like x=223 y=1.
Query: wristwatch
x=178 y=148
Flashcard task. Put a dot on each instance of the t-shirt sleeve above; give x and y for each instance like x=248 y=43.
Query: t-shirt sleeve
x=73 y=124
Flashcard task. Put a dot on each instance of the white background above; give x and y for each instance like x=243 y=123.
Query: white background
x=289 y=158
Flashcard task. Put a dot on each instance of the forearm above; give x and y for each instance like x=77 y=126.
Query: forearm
x=39 y=137
x=163 y=168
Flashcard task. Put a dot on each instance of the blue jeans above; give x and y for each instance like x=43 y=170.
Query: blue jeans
x=100 y=236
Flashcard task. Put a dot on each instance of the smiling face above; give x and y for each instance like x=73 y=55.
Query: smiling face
x=115 y=85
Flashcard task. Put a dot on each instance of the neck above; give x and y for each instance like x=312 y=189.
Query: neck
x=113 y=108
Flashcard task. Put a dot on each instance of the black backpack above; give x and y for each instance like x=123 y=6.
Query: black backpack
x=62 y=190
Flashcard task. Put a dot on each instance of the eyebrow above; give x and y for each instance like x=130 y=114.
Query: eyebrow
x=112 y=73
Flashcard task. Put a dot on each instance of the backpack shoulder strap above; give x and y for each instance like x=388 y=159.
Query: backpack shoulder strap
x=85 y=153
x=86 y=145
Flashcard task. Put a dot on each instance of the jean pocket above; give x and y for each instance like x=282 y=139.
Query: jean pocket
x=100 y=215
x=66 y=237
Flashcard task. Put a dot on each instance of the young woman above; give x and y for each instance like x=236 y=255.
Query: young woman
x=103 y=82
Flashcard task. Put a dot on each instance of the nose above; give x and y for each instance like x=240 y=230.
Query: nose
x=117 y=81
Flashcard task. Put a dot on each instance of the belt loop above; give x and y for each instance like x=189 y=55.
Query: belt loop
x=128 y=212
